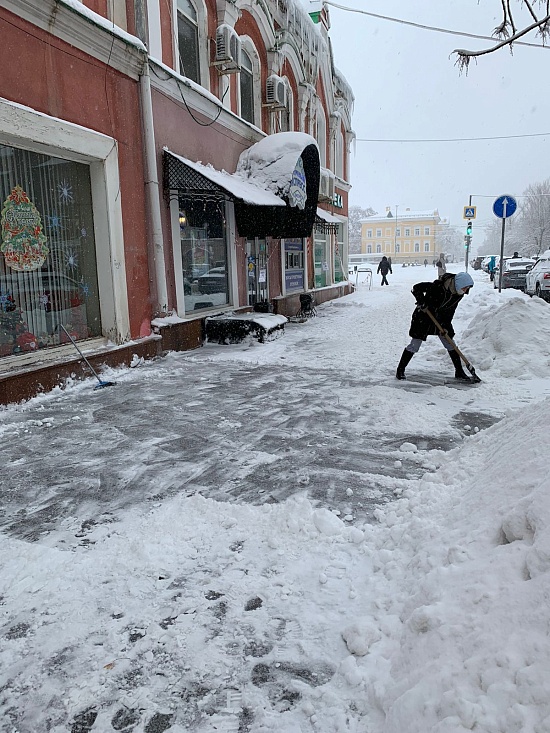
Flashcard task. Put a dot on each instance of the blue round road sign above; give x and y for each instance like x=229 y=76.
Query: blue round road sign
x=504 y=206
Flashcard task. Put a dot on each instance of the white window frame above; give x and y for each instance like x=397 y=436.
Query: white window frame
x=202 y=26
x=417 y=247
x=378 y=232
x=417 y=231
x=407 y=232
x=369 y=233
x=426 y=231
x=252 y=52
x=41 y=133
x=426 y=246
x=321 y=133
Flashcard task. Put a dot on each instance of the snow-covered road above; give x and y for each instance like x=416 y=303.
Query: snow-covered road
x=283 y=537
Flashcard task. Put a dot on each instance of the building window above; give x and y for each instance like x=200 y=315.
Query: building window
x=378 y=248
x=369 y=249
x=426 y=231
x=294 y=264
x=203 y=243
x=398 y=232
x=247 y=87
x=417 y=246
x=369 y=233
x=397 y=248
x=417 y=231
x=188 y=41
x=426 y=246
x=48 y=271
x=407 y=232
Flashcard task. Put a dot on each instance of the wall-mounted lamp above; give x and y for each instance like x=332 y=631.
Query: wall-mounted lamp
x=183 y=219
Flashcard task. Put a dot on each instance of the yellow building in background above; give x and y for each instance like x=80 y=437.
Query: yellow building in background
x=408 y=236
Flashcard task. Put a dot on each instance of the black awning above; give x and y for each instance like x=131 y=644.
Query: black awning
x=189 y=182
x=270 y=221
x=258 y=212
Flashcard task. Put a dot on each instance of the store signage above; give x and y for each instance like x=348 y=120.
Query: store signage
x=338 y=201
x=23 y=243
x=294 y=280
x=294 y=245
x=297 y=194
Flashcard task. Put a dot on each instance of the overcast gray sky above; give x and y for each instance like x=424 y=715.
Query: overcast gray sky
x=406 y=85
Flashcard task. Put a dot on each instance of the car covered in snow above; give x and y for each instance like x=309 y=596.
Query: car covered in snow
x=537 y=281
x=514 y=272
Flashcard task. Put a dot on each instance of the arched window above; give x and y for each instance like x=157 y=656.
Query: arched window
x=247 y=87
x=379 y=248
x=188 y=41
x=321 y=133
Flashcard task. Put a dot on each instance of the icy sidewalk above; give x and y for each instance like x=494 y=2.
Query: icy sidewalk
x=261 y=538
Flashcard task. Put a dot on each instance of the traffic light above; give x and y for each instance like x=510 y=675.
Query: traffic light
x=469 y=229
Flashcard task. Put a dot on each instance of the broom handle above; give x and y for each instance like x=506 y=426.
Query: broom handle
x=73 y=342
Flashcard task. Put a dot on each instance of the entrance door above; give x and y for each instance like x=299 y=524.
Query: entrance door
x=256 y=265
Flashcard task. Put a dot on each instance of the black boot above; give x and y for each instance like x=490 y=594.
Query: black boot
x=459 y=371
x=406 y=356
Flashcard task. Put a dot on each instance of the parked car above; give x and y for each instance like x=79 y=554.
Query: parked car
x=213 y=281
x=514 y=272
x=537 y=281
x=476 y=263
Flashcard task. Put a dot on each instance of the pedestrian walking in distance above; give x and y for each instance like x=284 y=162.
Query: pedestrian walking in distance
x=441 y=266
x=441 y=298
x=425 y=263
x=383 y=268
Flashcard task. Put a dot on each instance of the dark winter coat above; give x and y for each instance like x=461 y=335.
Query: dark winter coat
x=384 y=267
x=441 y=299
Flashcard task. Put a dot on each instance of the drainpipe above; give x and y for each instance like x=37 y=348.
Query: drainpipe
x=153 y=191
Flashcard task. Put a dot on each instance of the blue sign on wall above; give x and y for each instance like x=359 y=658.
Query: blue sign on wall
x=294 y=280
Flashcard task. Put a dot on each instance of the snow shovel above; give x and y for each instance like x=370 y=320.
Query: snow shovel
x=90 y=367
x=444 y=333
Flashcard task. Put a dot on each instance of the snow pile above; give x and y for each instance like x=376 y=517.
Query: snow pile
x=473 y=649
x=514 y=339
x=271 y=161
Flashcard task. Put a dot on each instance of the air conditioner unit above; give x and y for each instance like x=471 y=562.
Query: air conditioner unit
x=326 y=186
x=276 y=92
x=228 y=50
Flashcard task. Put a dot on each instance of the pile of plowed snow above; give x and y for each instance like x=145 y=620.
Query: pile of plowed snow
x=514 y=338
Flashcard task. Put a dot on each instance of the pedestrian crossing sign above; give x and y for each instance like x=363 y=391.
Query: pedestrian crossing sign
x=469 y=212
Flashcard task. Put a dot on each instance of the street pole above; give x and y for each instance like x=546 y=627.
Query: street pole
x=467 y=255
x=501 y=263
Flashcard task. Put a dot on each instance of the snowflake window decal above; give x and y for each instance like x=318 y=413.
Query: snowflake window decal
x=44 y=299
x=65 y=192
x=71 y=260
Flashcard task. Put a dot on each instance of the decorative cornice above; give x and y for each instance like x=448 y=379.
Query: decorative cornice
x=79 y=29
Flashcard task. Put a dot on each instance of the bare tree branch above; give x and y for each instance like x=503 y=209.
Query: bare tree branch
x=542 y=26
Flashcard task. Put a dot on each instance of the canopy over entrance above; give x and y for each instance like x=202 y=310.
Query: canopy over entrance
x=274 y=189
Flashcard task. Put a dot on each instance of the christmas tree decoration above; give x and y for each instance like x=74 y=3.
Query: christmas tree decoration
x=23 y=242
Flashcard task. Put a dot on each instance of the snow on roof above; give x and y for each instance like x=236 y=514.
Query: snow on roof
x=108 y=25
x=271 y=161
x=249 y=191
x=430 y=214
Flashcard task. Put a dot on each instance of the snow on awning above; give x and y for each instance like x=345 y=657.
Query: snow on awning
x=275 y=187
x=288 y=164
x=325 y=222
x=195 y=179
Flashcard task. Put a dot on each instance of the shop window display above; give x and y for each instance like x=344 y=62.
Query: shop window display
x=48 y=273
x=203 y=254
